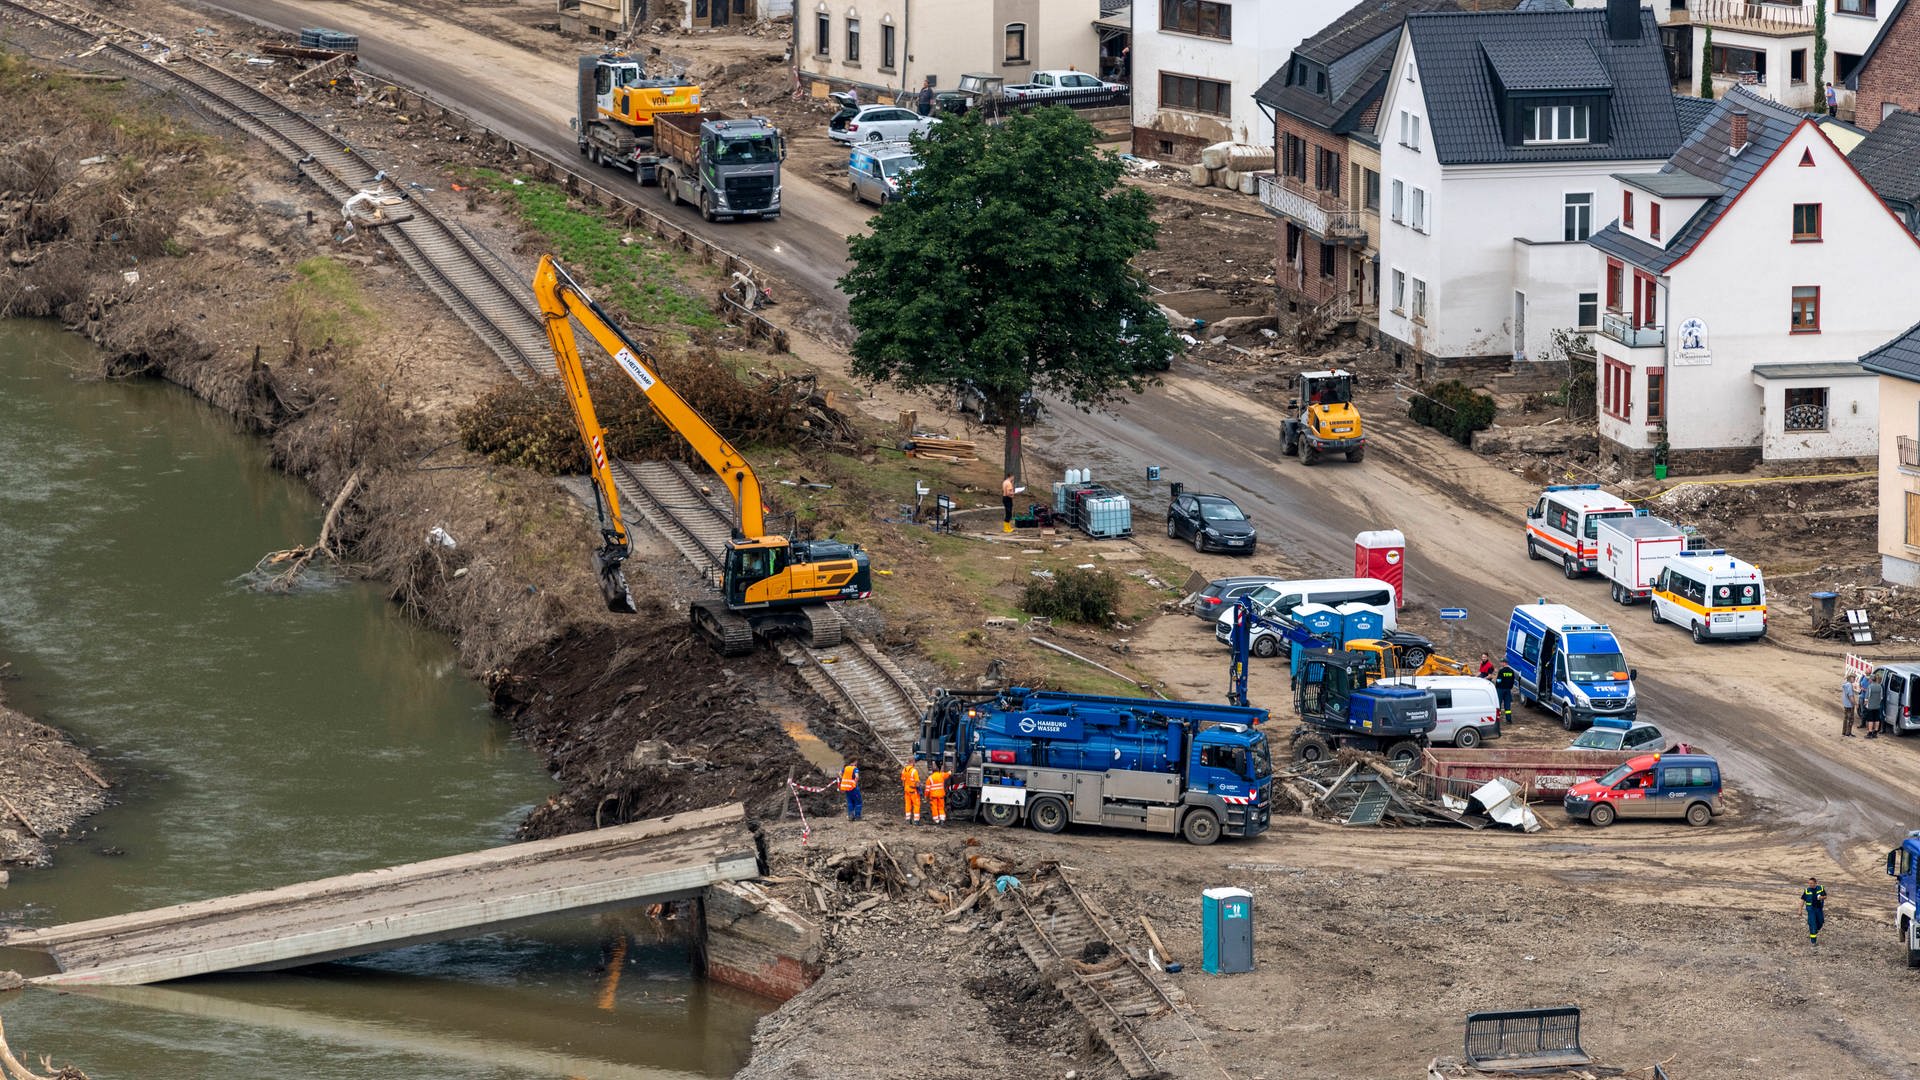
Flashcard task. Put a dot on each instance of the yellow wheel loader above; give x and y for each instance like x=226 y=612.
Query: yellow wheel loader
x=1322 y=419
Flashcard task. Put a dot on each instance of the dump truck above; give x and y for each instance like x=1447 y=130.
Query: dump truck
x=728 y=167
x=618 y=106
x=1197 y=770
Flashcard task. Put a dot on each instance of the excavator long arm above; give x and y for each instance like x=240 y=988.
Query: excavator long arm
x=561 y=300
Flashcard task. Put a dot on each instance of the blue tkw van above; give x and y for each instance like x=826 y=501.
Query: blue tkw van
x=1569 y=665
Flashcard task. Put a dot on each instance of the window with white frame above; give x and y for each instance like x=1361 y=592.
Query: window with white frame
x=1579 y=216
x=1409 y=130
x=1399 y=292
x=1417 y=210
x=853 y=41
x=1588 y=317
x=1399 y=201
x=1419 y=299
x=823 y=34
x=1555 y=124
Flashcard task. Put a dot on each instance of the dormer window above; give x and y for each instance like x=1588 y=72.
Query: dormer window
x=1543 y=124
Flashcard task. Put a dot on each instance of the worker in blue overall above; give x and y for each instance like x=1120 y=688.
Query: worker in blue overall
x=1814 y=899
x=850 y=784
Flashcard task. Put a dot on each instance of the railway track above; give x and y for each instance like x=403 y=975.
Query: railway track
x=492 y=300
x=1067 y=938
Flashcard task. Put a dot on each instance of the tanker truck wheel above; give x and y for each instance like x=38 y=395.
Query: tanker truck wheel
x=999 y=815
x=1201 y=827
x=1047 y=815
x=1311 y=747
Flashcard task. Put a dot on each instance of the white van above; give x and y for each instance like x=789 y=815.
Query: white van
x=1711 y=593
x=1468 y=707
x=1564 y=524
x=1282 y=597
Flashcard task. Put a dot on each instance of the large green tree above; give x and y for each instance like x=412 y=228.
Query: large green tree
x=1007 y=264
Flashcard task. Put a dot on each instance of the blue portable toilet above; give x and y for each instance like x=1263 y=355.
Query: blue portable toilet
x=1360 y=623
x=1319 y=620
x=1226 y=934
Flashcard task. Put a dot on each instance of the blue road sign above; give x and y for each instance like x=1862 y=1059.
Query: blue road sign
x=1453 y=614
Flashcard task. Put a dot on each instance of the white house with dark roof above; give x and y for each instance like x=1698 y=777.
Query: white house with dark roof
x=1741 y=282
x=1497 y=134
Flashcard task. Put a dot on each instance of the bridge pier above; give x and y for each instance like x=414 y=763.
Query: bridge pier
x=757 y=943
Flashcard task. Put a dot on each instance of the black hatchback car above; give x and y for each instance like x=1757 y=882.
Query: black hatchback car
x=1212 y=522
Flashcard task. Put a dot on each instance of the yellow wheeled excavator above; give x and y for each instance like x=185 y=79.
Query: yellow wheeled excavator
x=769 y=584
x=1322 y=419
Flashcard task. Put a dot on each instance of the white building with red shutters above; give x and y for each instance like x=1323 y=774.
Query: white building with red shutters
x=1740 y=284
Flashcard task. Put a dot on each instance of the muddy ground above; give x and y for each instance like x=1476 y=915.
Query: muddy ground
x=48 y=786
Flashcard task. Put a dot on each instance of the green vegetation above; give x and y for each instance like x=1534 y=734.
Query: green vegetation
x=323 y=309
x=1706 y=66
x=1007 y=264
x=1819 y=55
x=1454 y=408
x=1082 y=596
x=638 y=279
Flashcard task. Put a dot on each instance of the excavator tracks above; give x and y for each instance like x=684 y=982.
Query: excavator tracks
x=1066 y=937
x=486 y=294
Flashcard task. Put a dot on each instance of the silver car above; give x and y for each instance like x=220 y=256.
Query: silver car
x=880 y=123
x=875 y=174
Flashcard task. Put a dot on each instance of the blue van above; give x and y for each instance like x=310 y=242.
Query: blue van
x=1569 y=665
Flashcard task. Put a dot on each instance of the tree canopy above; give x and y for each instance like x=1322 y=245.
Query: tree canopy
x=1006 y=264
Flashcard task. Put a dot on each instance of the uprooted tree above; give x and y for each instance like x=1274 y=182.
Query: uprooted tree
x=1006 y=265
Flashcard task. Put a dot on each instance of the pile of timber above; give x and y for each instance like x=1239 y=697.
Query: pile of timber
x=931 y=447
x=1232 y=166
x=1353 y=788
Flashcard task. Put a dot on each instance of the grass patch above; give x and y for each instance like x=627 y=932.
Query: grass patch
x=639 y=279
x=324 y=308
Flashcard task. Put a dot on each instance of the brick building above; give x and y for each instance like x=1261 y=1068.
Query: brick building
x=1888 y=75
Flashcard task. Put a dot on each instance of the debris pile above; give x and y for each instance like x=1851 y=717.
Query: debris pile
x=1354 y=788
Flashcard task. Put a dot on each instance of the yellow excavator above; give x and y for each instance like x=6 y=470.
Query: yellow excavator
x=1386 y=660
x=617 y=104
x=769 y=584
x=1322 y=419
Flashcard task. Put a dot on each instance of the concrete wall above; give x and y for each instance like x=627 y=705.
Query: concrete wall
x=757 y=943
x=1264 y=36
x=945 y=39
x=1853 y=416
x=1899 y=416
x=1551 y=275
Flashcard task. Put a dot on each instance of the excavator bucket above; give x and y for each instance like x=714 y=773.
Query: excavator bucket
x=613 y=582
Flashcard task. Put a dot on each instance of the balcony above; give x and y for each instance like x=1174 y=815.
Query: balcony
x=1909 y=452
x=1621 y=329
x=1318 y=212
x=1776 y=19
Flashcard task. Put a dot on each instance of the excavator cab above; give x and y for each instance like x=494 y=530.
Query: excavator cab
x=1327 y=388
x=1322 y=419
x=622 y=91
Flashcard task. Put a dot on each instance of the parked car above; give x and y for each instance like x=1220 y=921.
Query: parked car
x=1466 y=706
x=1613 y=733
x=1410 y=649
x=1651 y=785
x=879 y=123
x=1210 y=521
x=1222 y=593
x=1070 y=85
x=875 y=174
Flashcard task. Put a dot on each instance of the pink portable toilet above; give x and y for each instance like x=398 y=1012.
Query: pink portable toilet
x=1382 y=553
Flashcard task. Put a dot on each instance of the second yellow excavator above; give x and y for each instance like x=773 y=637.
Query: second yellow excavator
x=769 y=584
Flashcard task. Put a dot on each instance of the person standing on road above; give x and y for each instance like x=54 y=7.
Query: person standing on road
x=937 y=795
x=910 y=790
x=1814 y=899
x=1486 y=666
x=1871 y=696
x=1849 y=701
x=924 y=103
x=1006 y=503
x=850 y=785
x=1503 y=681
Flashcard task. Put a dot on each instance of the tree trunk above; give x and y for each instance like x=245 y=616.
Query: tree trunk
x=1013 y=455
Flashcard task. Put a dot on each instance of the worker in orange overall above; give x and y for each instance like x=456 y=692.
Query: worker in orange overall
x=937 y=795
x=910 y=791
x=850 y=784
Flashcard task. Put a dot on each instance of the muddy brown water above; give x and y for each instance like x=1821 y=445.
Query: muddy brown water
x=265 y=739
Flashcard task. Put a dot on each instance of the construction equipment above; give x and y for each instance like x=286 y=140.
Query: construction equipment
x=617 y=105
x=1335 y=696
x=1390 y=659
x=769 y=584
x=1322 y=419
x=1200 y=771
x=728 y=167
x=1903 y=865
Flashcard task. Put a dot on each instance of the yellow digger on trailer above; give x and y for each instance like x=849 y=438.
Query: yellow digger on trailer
x=1322 y=419
x=769 y=584
x=1386 y=660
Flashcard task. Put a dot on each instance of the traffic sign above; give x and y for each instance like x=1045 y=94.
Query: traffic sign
x=1453 y=614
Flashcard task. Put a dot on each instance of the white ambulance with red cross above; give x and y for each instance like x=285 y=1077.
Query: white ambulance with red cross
x=1564 y=525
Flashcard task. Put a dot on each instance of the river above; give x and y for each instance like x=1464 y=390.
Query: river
x=261 y=739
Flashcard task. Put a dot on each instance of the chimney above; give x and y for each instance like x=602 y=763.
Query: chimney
x=1737 y=138
x=1623 y=20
